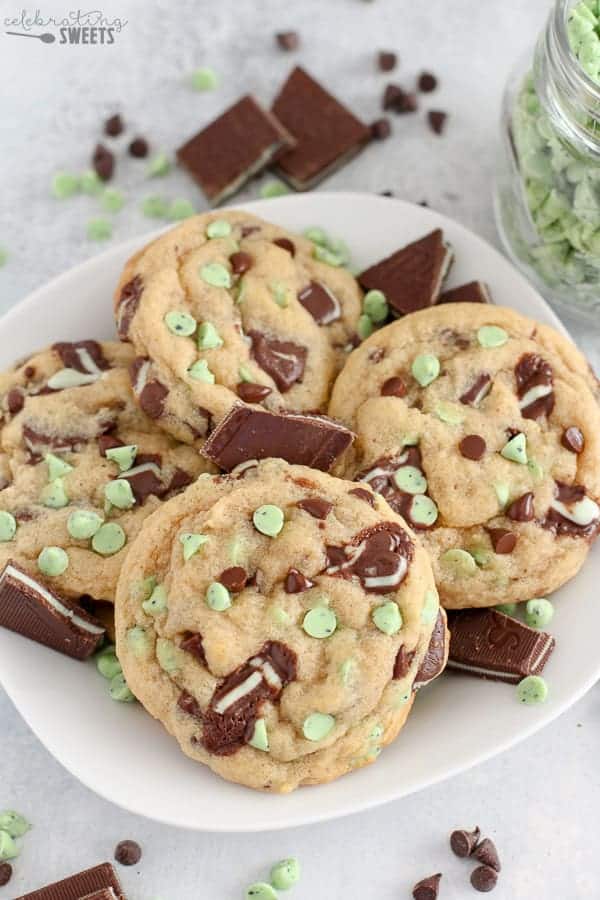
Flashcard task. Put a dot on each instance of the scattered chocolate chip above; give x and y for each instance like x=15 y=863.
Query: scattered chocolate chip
x=472 y=447
x=503 y=541
x=397 y=100
x=285 y=244
x=381 y=129
x=484 y=879
x=464 y=842
x=234 y=579
x=296 y=583
x=240 y=262
x=386 y=193
x=139 y=148
x=437 y=120
x=393 y=387
x=320 y=302
x=364 y=495
x=250 y=392
x=427 y=82
x=128 y=853
x=15 y=401
x=316 y=507
x=5 y=873
x=288 y=40
x=428 y=888
x=386 y=60
x=103 y=162
x=113 y=127
x=572 y=438
x=522 y=510
x=487 y=854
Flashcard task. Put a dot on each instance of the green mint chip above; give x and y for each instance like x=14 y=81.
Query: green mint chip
x=109 y=539
x=180 y=323
x=191 y=543
x=99 y=230
x=492 y=336
x=320 y=622
x=272 y=189
x=208 y=337
x=425 y=368
x=154 y=207
x=218 y=228
x=8 y=526
x=285 y=874
x=179 y=210
x=268 y=519
x=159 y=166
x=83 y=524
x=64 y=185
x=57 y=467
x=216 y=275
x=199 y=371
x=123 y=456
x=317 y=726
x=119 y=493
x=112 y=200
x=375 y=306
x=204 y=79
x=53 y=561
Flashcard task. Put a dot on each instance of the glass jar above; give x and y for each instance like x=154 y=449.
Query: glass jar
x=547 y=196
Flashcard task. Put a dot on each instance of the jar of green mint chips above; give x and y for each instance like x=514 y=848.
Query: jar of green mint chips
x=548 y=186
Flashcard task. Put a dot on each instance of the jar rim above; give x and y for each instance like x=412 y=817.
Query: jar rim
x=580 y=79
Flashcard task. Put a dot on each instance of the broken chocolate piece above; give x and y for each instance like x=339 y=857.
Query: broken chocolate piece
x=285 y=244
x=326 y=132
x=379 y=556
x=434 y=661
x=486 y=643
x=320 y=302
x=284 y=361
x=189 y=705
x=247 y=433
x=402 y=662
x=129 y=300
x=192 y=643
x=535 y=386
x=411 y=278
x=151 y=394
x=572 y=512
x=381 y=478
x=472 y=292
x=428 y=888
x=478 y=390
x=80 y=886
x=83 y=356
x=38 y=613
x=296 y=583
x=316 y=507
x=240 y=143
x=393 y=387
x=250 y=392
x=364 y=495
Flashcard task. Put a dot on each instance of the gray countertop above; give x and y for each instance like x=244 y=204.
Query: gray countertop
x=538 y=801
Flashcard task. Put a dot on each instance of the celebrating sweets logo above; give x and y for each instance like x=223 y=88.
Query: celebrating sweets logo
x=76 y=27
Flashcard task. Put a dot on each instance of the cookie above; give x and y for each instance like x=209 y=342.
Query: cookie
x=277 y=621
x=480 y=427
x=82 y=467
x=227 y=307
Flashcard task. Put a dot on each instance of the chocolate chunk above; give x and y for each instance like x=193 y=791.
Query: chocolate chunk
x=316 y=507
x=151 y=394
x=250 y=392
x=392 y=96
x=83 y=356
x=464 y=842
x=487 y=854
x=427 y=82
x=296 y=583
x=381 y=478
x=128 y=853
x=381 y=129
x=240 y=262
x=38 y=613
x=434 y=660
x=411 y=278
x=472 y=292
x=478 y=390
x=503 y=541
x=113 y=127
x=247 y=433
x=15 y=401
x=284 y=361
x=240 y=143
x=5 y=873
x=386 y=60
x=234 y=579
x=522 y=510
x=437 y=120
x=572 y=439
x=393 y=387
x=378 y=556
x=179 y=480
x=192 y=643
x=235 y=704
x=29 y=371
x=103 y=162
x=189 y=705
x=362 y=494
x=472 y=447
x=129 y=300
x=484 y=879
x=428 y=888
x=139 y=148
x=145 y=480
x=486 y=643
x=535 y=386
x=402 y=662
x=288 y=40
x=326 y=132
x=285 y=244
x=323 y=306
x=108 y=442
x=83 y=884
x=562 y=515
x=38 y=443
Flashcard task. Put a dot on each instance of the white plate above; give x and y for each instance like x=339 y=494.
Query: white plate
x=122 y=754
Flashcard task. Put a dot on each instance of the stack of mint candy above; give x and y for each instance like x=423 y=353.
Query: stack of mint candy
x=562 y=188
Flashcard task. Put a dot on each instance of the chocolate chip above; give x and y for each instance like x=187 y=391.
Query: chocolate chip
x=503 y=541
x=487 y=854
x=572 y=439
x=522 y=509
x=250 y=392
x=320 y=302
x=484 y=879
x=381 y=129
x=393 y=387
x=74 y=355
x=192 y=643
x=316 y=507
x=437 y=120
x=464 y=842
x=15 y=401
x=129 y=300
x=428 y=888
x=5 y=873
x=402 y=663
x=386 y=60
x=103 y=162
x=139 y=148
x=296 y=583
x=284 y=361
x=128 y=853
x=114 y=126
x=240 y=262
x=363 y=494
x=427 y=82
x=391 y=96
x=189 y=705
x=398 y=100
x=234 y=579
x=472 y=447
x=285 y=244
x=386 y=193
x=29 y=371
x=288 y=40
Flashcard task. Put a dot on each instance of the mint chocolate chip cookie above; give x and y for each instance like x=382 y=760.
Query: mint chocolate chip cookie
x=482 y=428
x=285 y=648
x=227 y=307
x=81 y=467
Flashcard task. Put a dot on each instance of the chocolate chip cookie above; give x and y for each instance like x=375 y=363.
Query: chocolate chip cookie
x=227 y=307
x=482 y=428
x=277 y=621
x=82 y=467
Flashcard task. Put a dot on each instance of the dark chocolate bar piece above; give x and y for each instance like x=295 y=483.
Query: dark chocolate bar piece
x=36 y=612
x=238 y=144
x=249 y=434
x=434 y=661
x=489 y=644
x=85 y=885
x=326 y=132
x=472 y=292
x=411 y=278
